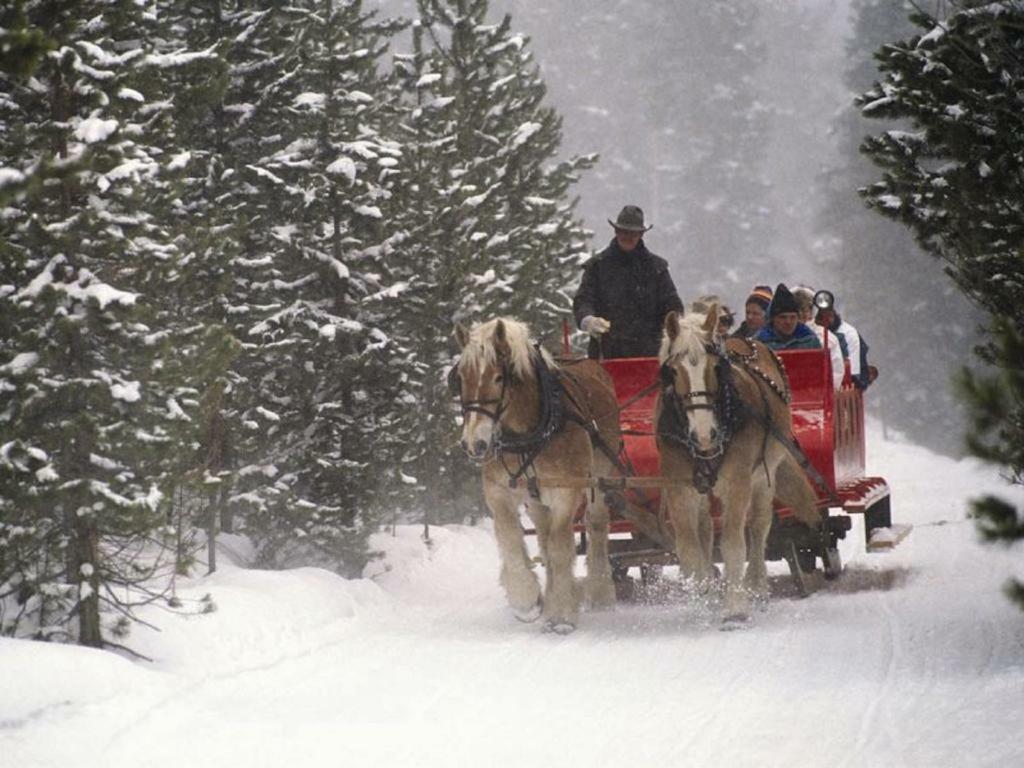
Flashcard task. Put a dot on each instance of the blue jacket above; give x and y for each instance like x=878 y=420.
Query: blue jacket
x=802 y=338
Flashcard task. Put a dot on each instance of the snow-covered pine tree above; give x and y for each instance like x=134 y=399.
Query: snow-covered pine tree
x=316 y=363
x=865 y=253
x=214 y=216
x=21 y=44
x=489 y=227
x=995 y=404
x=955 y=177
x=83 y=400
x=22 y=47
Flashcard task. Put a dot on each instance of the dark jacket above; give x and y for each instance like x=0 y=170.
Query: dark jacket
x=802 y=338
x=634 y=292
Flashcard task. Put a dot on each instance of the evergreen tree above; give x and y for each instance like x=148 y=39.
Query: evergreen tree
x=996 y=407
x=315 y=362
x=84 y=402
x=21 y=45
x=489 y=228
x=882 y=278
x=955 y=177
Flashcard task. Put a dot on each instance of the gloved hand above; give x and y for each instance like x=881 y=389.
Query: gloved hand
x=595 y=326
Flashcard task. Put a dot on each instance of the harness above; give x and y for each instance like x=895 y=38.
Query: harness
x=730 y=416
x=524 y=448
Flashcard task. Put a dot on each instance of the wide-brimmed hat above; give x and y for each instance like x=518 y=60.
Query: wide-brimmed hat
x=631 y=219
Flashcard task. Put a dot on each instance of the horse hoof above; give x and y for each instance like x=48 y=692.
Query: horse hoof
x=559 y=626
x=530 y=615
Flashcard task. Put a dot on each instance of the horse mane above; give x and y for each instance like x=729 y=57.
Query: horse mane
x=690 y=342
x=480 y=352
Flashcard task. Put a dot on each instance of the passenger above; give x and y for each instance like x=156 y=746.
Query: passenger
x=805 y=309
x=861 y=373
x=625 y=293
x=784 y=330
x=725 y=320
x=756 y=312
x=702 y=304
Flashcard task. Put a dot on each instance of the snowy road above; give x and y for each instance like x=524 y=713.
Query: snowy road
x=913 y=658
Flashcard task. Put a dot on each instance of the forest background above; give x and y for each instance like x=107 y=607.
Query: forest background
x=235 y=237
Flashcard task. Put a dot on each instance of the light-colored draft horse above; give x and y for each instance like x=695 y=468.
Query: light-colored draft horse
x=531 y=423
x=712 y=420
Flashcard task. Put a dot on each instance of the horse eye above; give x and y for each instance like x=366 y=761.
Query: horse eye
x=499 y=378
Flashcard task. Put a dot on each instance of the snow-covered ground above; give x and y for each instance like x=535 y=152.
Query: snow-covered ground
x=912 y=658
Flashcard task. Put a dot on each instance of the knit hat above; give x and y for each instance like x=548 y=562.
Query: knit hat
x=761 y=295
x=782 y=301
x=804 y=297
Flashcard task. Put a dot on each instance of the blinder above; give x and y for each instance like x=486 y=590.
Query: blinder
x=667 y=374
x=455 y=382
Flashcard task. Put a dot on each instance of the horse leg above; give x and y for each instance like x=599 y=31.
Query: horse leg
x=735 y=493
x=517 y=577
x=759 y=522
x=706 y=530
x=541 y=519
x=687 y=508
x=598 y=588
x=561 y=600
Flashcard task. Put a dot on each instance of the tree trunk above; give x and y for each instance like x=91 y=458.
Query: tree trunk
x=86 y=554
x=211 y=533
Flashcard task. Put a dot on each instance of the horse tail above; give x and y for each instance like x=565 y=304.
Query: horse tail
x=794 y=490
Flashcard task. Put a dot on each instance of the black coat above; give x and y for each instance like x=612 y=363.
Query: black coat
x=634 y=292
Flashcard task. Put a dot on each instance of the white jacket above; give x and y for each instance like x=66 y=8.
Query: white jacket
x=852 y=346
x=835 y=353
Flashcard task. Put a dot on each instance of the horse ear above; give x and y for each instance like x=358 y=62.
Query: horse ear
x=671 y=325
x=461 y=335
x=501 y=345
x=711 y=319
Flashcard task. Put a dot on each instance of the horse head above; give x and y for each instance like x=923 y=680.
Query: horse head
x=690 y=376
x=496 y=356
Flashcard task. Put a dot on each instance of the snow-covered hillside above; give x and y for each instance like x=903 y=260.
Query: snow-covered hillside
x=913 y=658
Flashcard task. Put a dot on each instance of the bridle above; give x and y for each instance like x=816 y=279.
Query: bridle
x=725 y=404
x=522 y=447
x=479 y=406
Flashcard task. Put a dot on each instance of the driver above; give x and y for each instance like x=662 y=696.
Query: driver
x=625 y=293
